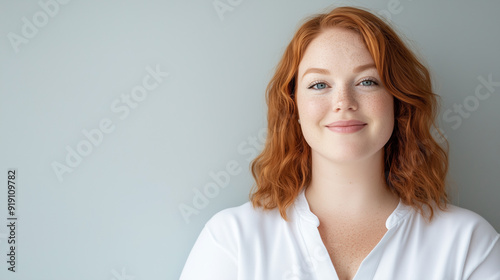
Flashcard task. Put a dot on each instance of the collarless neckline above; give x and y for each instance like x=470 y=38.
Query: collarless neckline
x=301 y=207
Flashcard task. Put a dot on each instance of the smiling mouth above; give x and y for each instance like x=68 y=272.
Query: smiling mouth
x=346 y=128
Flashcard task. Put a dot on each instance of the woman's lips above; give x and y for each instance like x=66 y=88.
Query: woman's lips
x=346 y=123
x=346 y=129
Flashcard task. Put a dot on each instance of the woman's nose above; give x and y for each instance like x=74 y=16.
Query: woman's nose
x=344 y=99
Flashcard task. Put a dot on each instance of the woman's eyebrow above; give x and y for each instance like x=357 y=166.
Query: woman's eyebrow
x=363 y=67
x=316 y=70
x=326 y=72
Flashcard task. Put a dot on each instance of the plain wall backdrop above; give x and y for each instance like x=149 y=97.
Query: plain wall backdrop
x=119 y=116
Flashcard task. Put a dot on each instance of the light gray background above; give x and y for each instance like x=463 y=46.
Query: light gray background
x=116 y=215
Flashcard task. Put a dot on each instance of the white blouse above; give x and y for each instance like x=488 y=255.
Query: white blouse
x=247 y=243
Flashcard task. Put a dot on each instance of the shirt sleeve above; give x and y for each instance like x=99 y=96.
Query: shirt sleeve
x=209 y=260
x=489 y=267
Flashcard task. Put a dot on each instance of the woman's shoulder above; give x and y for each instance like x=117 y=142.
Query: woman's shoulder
x=244 y=221
x=473 y=241
x=228 y=236
x=246 y=209
x=457 y=217
x=456 y=224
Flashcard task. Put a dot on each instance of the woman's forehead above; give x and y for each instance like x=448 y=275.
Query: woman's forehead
x=336 y=48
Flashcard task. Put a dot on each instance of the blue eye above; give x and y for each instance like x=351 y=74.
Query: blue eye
x=368 y=83
x=318 y=85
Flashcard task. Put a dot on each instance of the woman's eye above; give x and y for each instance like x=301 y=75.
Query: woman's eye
x=322 y=85
x=318 y=86
x=368 y=83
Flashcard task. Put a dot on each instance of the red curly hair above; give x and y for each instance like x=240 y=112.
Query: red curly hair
x=415 y=164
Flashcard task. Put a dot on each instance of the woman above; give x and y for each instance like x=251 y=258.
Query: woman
x=351 y=183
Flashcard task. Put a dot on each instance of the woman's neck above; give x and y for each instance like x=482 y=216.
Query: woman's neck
x=350 y=190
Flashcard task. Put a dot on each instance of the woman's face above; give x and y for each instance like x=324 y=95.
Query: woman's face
x=337 y=81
